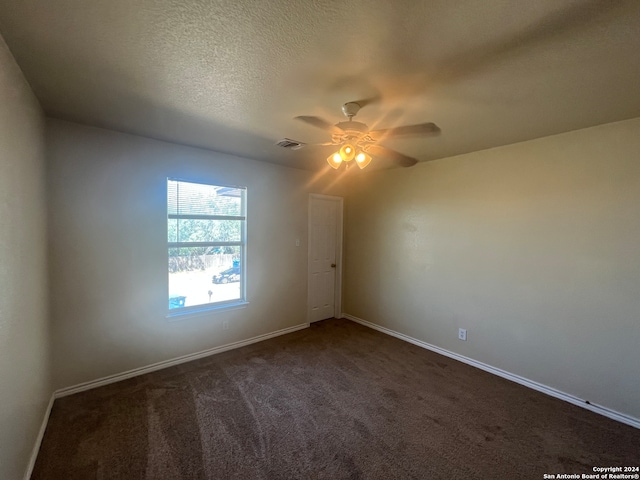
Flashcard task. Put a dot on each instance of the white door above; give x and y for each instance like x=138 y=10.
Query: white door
x=325 y=246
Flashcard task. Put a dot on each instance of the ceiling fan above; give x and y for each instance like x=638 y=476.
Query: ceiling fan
x=358 y=143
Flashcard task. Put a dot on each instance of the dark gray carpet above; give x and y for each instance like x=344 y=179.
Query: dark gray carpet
x=335 y=401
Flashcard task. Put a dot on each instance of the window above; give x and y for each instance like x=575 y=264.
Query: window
x=206 y=226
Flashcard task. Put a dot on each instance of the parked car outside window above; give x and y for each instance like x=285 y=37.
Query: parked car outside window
x=229 y=275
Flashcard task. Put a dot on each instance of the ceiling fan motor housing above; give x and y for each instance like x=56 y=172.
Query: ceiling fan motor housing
x=352 y=132
x=353 y=127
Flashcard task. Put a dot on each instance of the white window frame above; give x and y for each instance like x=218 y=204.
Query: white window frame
x=196 y=310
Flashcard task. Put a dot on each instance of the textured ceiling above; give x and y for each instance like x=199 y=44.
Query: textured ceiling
x=230 y=75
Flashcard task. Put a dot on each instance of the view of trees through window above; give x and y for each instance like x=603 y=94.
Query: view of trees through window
x=206 y=243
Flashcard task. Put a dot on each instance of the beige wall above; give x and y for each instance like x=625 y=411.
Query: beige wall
x=107 y=208
x=25 y=385
x=534 y=248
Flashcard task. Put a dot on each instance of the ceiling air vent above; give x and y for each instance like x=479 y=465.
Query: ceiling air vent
x=290 y=144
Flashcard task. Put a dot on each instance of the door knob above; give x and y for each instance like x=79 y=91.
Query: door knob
x=333 y=265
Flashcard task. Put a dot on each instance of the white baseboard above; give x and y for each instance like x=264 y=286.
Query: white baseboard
x=63 y=392
x=620 y=417
x=36 y=447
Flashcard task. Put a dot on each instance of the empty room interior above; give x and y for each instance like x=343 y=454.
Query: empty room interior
x=319 y=239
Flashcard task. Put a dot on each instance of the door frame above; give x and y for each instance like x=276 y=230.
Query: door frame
x=337 y=294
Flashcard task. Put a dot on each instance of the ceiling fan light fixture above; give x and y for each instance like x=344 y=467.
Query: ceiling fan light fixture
x=334 y=160
x=362 y=159
x=355 y=140
x=347 y=152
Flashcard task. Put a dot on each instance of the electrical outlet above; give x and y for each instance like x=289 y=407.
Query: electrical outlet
x=225 y=325
x=462 y=334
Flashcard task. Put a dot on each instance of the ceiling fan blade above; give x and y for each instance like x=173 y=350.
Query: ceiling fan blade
x=319 y=123
x=325 y=144
x=398 y=158
x=406 y=131
x=368 y=101
x=297 y=145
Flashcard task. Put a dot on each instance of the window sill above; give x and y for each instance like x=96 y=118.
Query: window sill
x=184 y=314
